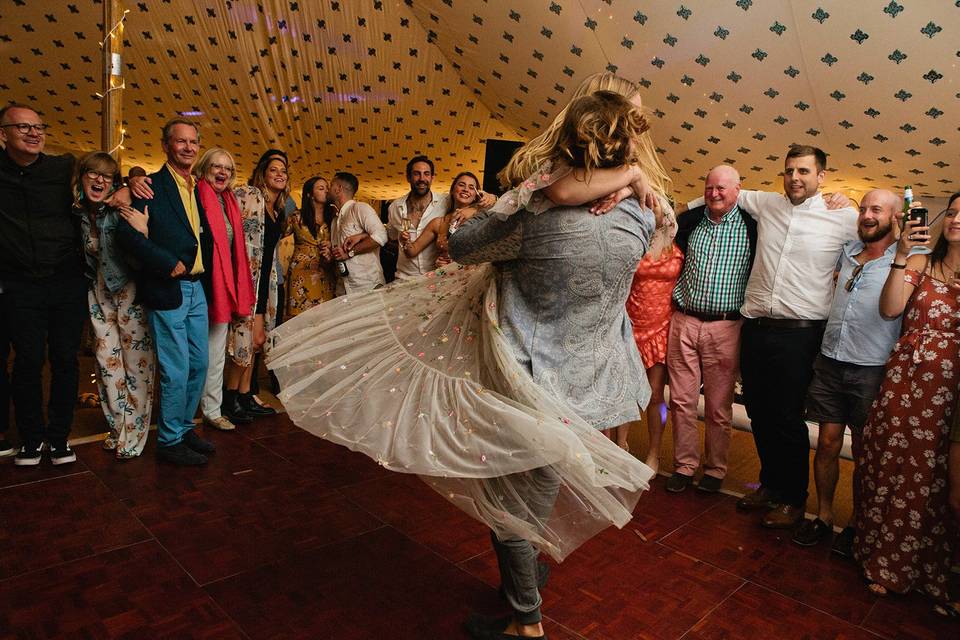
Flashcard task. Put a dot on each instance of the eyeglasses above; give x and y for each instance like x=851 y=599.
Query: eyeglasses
x=25 y=127
x=93 y=175
x=852 y=282
x=222 y=167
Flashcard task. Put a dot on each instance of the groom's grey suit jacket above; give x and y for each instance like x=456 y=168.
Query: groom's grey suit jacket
x=564 y=278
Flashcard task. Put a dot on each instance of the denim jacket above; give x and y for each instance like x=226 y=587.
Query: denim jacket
x=109 y=261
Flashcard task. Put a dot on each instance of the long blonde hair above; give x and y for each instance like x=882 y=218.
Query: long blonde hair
x=530 y=158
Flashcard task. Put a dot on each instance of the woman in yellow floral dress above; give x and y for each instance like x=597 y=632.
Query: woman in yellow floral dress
x=311 y=279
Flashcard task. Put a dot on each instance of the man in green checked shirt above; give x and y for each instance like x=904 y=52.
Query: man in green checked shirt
x=719 y=240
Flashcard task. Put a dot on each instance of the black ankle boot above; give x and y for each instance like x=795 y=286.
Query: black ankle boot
x=254 y=408
x=232 y=410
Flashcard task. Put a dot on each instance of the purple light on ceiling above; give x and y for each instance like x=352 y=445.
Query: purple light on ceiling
x=190 y=114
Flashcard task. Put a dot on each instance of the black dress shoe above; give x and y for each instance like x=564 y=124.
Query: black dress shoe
x=198 y=444
x=678 y=482
x=180 y=455
x=231 y=409
x=843 y=543
x=812 y=532
x=254 y=408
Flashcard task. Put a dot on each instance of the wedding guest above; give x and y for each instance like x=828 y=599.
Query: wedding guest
x=44 y=291
x=263 y=209
x=124 y=344
x=464 y=200
x=903 y=541
x=412 y=213
x=719 y=240
x=227 y=279
x=311 y=280
x=356 y=235
x=649 y=308
x=850 y=366
x=173 y=256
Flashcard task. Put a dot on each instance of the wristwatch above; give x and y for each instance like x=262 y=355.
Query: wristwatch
x=351 y=253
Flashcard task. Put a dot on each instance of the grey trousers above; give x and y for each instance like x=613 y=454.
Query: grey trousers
x=536 y=494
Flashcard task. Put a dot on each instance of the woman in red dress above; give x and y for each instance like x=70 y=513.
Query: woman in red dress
x=649 y=308
x=903 y=538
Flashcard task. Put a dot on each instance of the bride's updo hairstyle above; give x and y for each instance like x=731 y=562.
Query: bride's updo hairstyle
x=600 y=130
x=530 y=159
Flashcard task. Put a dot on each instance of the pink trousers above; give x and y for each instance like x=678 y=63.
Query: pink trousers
x=709 y=350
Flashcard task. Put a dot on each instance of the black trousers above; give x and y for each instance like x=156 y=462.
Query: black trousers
x=45 y=319
x=776 y=365
x=4 y=378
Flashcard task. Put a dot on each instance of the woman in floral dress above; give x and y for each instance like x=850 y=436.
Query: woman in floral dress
x=124 y=346
x=311 y=278
x=262 y=206
x=903 y=540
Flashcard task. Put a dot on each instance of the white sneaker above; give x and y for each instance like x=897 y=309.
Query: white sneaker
x=220 y=424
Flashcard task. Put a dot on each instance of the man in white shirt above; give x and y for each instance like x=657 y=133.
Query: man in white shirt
x=362 y=258
x=786 y=304
x=413 y=212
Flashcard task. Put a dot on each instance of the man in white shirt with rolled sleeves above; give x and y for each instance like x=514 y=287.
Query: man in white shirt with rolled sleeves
x=786 y=304
x=353 y=218
x=413 y=212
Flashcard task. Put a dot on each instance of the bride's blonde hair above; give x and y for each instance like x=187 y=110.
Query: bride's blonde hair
x=530 y=158
x=598 y=131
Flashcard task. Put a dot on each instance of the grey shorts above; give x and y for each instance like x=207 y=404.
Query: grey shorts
x=842 y=392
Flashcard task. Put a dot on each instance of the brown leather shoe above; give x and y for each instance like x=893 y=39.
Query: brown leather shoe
x=761 y=499
x=784 y=516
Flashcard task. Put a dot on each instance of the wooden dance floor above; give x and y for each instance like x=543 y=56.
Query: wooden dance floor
x=286 y=536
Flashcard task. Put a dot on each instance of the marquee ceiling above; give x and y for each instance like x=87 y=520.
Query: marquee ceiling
x=361 y=85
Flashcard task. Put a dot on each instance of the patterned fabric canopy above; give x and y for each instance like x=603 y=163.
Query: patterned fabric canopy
x=362 y=85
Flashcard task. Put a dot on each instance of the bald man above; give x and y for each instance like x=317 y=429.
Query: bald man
x=719 y=240
x=850 y=367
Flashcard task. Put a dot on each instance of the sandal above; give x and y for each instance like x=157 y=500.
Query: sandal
x=947 y=609
x=877 y=589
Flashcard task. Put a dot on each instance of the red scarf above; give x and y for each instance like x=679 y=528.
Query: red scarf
x=231 y=282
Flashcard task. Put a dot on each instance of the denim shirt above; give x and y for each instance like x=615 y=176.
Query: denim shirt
x=856 y=333
x=564 y=278
x=109 y=261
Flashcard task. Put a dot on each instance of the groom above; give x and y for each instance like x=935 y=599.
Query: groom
x=563 y=280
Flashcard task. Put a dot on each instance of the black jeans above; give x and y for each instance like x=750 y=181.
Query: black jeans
x=776 y=365
x=45 y=315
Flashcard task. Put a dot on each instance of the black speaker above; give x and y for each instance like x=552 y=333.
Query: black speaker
x=495 y=158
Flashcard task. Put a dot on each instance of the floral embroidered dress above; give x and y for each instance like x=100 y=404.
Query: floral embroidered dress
x=240 y=335
x=649 y=305
x=902 y=522
x=423 y=377
x=311 y=280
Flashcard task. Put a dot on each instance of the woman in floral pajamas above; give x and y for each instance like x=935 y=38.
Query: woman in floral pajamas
x=124 y=347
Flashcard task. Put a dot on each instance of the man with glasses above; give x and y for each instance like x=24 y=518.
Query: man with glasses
x=44 y=293
x=849 y=369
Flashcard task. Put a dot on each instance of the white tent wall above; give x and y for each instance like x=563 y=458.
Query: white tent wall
x=357 y=85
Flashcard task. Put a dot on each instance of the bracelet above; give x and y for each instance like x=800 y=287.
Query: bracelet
x=894 y=265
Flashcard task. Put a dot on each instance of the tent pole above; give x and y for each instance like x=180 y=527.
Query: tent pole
x=111 y=111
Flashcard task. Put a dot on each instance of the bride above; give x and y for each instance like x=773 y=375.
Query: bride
x=422 y=377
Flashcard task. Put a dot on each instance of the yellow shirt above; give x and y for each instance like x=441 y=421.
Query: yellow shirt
x=189 y=199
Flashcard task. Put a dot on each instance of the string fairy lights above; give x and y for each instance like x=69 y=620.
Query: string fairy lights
x=113 y=71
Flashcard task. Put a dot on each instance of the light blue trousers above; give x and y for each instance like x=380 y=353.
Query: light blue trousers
x=180 y=336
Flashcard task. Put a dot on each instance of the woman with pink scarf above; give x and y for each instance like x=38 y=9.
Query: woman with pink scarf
x=228 y=283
